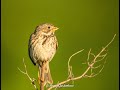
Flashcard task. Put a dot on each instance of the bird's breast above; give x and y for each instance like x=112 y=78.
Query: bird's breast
x=45 y=48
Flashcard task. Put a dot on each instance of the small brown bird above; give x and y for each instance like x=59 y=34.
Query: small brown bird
x=42 y=47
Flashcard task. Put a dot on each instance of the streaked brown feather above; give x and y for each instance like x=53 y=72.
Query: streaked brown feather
x=42 y=47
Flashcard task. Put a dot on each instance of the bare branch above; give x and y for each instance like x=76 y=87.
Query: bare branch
x=96 y=67
x=103 y=56
x=92 y=54
x=89 y=55
x=26 y=73
x=90 y=66
x=70 y=73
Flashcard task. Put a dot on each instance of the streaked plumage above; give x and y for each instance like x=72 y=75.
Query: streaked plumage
x=42 y=48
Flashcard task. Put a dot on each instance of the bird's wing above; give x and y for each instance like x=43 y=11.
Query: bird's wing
x=30 y=48
x=56 y=42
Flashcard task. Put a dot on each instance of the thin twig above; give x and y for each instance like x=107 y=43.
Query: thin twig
x=26 y=73
x=70 y=73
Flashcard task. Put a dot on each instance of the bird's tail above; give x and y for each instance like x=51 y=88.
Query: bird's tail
x=45 y=75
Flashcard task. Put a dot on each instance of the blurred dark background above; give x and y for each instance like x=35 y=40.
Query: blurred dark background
x=83 y=24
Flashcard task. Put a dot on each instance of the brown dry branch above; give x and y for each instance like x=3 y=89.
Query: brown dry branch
x=90 y=67
x=26 y=73
x=89 y=63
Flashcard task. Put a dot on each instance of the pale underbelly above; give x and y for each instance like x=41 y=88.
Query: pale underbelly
x=44 y=53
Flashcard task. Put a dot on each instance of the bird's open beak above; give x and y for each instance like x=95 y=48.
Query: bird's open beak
x=54 y=29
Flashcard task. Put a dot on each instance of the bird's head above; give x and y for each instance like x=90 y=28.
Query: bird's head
x=46 y=29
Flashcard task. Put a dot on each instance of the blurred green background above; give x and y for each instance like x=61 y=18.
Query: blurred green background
x=82 y=24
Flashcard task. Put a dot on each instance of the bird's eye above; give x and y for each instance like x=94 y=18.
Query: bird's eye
x=49 y=27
